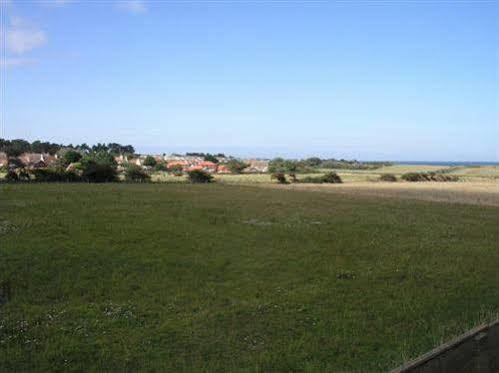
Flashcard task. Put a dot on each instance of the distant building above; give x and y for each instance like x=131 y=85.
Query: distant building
x=121 y=159
x=3 y=159
x=37 y=160
x=256 y=166
x=184 y=164
x=207 y=166
x=223 y=169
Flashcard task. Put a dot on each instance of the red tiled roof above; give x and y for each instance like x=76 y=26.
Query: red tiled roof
x=177 y=163
x=207 y=164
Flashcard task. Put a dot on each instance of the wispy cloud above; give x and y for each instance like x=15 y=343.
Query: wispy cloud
x=56 y=2
x=18 y=61
x=23 y=37
x=133 y=6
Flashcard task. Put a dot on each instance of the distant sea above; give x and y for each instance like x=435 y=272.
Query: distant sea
x=438 y=163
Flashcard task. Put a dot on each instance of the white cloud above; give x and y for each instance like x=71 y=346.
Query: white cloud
x=12 y=62
x=133 y=6
x=22 y=37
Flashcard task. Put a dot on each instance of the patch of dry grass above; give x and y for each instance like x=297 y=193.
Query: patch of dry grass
x=476 y=193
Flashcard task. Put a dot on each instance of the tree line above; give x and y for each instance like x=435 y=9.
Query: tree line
x=310 y=165
x=16 y=147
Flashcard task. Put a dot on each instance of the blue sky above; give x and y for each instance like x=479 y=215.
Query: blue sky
x=378 y=79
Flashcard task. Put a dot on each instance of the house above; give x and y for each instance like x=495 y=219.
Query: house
x=3 y=159
x=207 y=166
x=193 y=168
x=223 y=169
x=50 y=160
x=37 y=160
x=121 y=159
x=185 y=165
x=136 y=161
x=256 y=166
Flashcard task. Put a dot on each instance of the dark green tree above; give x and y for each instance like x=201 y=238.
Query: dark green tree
x=150 y=161
x=70 y=156
x=236 y=166
x=210 y=158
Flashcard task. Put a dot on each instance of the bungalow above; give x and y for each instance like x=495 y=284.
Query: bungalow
x=50 y=160
x=135 y=161
x=256 y=166
x=3 y=159
x=37 y=160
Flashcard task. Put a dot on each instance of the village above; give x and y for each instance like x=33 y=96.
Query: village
x=184 y=163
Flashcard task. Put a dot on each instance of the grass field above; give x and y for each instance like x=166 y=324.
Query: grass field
x=468 y=192
x=478 y=174
x=235 y=278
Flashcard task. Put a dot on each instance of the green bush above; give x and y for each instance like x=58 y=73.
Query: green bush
x=428 y=176
x=210 y=158
x=14 y=163
x=11 y=176
x=99 y=168
x=280 y=177
x=199 y=176
x=176 y=170
x=136 y=174
x=328 y=178
x=388 y=177
x=150 y=161
x=17 y=175
x=236 y=166
x=160 y=167
x=70 y=156
x=332 y=178
x=48 y=175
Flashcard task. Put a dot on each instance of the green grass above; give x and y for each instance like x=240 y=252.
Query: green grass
x=235 y=278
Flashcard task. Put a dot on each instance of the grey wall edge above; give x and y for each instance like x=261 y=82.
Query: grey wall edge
x=476 y=351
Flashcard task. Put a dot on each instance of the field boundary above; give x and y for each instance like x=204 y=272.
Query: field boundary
x=477 y=350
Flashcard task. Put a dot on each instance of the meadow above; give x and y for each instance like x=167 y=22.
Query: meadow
x=221 y=277
x=465 y=173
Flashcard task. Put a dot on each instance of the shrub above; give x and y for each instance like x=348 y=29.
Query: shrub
x=428 y=176
x=199 y=176
x=99 y=168
x=136 y=173
x=176 y=170
x=413 y=176
x=14 y=163
x=160 y=167
x=235 y=166
x=15 y=175
x=280 y=177
x=150 y=161
x=283 y=165
x=95 y=172
x=11 y=176
x=70 y=156
x=210 y=158
x=388 y=177
x=332 y=178
x=54 y=175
